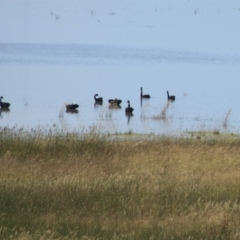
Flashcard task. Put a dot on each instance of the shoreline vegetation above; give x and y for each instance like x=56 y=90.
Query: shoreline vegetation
x=93 y=186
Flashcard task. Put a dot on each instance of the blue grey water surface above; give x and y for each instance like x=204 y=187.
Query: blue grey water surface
x=39 y=79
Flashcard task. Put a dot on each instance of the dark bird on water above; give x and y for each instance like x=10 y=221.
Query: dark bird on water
x=4 y=105
x=98 y=99
x=115 y=101
x=170 y=98
x=129 y=109
x=145 y=95
x=72 y=106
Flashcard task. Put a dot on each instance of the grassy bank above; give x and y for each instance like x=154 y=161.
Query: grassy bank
x=76 y=186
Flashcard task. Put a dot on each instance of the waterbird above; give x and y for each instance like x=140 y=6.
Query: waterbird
x=128 y=109
x=72 y=106
x=4 y=105
x=98 y=99
x=170 y=98
x=115 y=101
x=145 y=95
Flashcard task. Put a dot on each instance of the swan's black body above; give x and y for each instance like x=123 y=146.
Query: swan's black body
x=72 y=106
x=129 y=109
x=98 y=99
x=145 y=95
x=4 y=105
x=115 y=101
x=170 y=98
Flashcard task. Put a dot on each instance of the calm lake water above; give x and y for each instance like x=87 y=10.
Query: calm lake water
x=38 y=79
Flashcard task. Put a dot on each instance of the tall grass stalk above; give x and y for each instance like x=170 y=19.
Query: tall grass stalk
x=87 y=186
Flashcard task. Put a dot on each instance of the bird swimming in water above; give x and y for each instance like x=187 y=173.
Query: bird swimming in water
x=170 y=98
x=72 y=106
x=115 y=101
x=145 y=95
x=4 y=105
x=128 y=109
x=98 y=99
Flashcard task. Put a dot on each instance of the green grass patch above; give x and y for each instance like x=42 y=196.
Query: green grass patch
x=89 y=186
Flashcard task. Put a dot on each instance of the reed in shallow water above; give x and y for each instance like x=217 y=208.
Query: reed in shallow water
x=73 y=186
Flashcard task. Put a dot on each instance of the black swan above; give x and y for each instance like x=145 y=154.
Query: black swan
x=98 y=100
x=4 y=104
x=72 y=106
x=145 y=95
x=115 y=102
x=170 y=98
x=129 y=109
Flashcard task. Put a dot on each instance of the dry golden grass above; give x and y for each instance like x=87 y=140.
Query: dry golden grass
x=90 y=187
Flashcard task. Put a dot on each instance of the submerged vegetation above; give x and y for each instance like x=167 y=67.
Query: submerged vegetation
x=90 y=186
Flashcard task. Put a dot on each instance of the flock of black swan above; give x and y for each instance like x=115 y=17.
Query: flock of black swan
x=113 y=103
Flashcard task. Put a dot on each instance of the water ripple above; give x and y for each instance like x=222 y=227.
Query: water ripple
x=80 y=54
